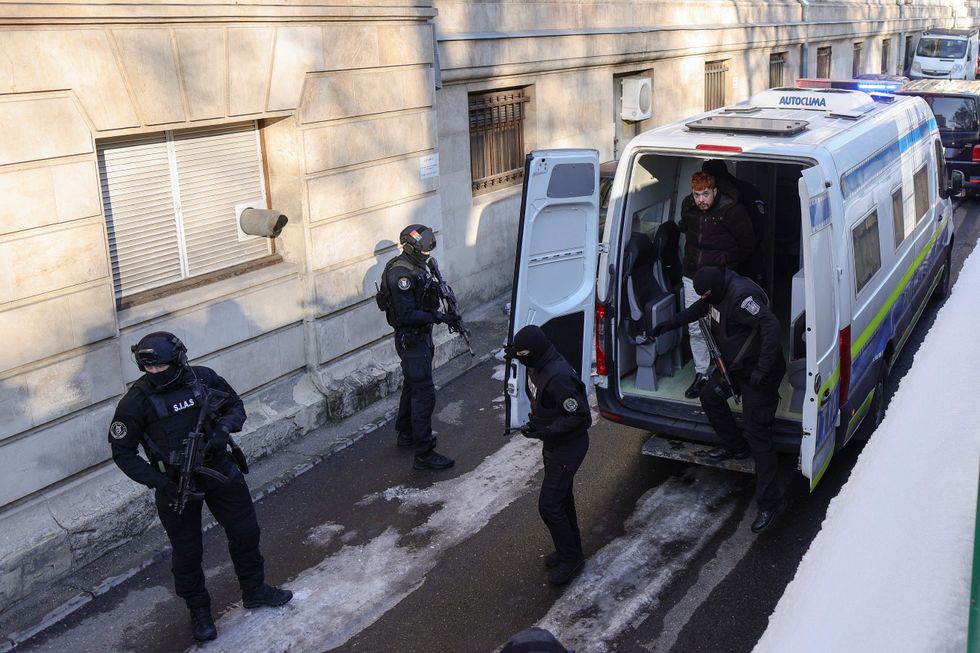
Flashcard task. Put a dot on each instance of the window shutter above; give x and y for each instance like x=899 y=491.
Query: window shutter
x=137 y=194
x=218 y=168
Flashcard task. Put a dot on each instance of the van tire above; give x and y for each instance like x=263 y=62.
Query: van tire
x=942 y=288
x=878 y=404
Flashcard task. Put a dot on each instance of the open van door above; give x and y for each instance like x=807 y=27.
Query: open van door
x=820 y=404
x=555 y=265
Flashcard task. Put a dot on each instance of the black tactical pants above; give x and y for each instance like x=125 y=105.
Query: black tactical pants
x=418 y=398
x=556 y=505
x=759 y=406
x=231 y=505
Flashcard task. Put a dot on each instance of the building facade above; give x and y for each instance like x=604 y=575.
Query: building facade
x=134 y=135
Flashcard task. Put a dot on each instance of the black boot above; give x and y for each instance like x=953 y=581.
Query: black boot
x=202 y=625
x=694 y=389
x=433 y=460
x=565 y=571
x=405 y=439
x=765 y=518
x=552 y=560
x=266 y=596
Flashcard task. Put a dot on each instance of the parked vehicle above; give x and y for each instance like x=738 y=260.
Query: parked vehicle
x=956 y=106
x=857 y=236
x=946 y=54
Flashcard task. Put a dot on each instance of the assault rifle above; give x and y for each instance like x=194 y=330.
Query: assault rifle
x=190 y=461
x=717 y=359
x=448 y=299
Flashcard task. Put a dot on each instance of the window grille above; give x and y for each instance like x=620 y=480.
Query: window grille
x=169 y=201
x=497 y=138
x=886 y=47
x=715 y=84
x=857 y=66
x=823 y=62
x=777 y=69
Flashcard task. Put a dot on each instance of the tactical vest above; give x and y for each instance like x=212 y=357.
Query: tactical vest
x=424 y=292
x=170 y=417
x=743 y=345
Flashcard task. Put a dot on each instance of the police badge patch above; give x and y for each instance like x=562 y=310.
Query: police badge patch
x=570 y=405
x=749 y=304
x=404 y=283
x=117 y=430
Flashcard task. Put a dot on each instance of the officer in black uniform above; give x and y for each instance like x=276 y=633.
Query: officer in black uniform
x=560 y=417
x=157 y=413
x=412 y=308
x=748 y=336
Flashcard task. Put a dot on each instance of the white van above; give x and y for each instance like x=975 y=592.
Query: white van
x=856 y=237
x=945 y=54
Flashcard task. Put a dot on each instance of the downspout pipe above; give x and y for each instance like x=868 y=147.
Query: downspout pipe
x=805 y=46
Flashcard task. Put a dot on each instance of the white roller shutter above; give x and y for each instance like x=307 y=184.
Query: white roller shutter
x=170 y=202
x=217 y=169
x=139 y=210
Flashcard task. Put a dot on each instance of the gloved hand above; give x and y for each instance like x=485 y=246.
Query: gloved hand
x=756 y=379
x=446 y=318
x=218 y=439
x=169 y=490
x=659 y=329
x=529 y=431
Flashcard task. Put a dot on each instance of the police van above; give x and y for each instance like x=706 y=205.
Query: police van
x=854 y=238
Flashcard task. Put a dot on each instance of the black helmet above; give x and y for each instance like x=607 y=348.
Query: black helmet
x=417 y=241
x=161 y=348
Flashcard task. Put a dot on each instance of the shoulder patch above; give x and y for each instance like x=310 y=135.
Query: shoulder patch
x=404 y=283
x=570 y=405
x=750 y=305
x=118 y=430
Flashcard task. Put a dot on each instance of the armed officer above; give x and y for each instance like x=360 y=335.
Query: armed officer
x=747 y=334
x=157 y=413
x=560 y=417
x=412 y=298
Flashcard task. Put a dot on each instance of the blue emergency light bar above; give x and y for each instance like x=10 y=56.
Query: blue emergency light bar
x=866 y=85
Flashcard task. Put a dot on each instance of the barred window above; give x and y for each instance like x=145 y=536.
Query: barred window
x=857 y=66
x=920 y=185
x=908 y=52
x=823 y=62
x=497 y=138
x=169 y=200
x=867 y=252
x=886 y=47
x=715 y=84
x=777 y=69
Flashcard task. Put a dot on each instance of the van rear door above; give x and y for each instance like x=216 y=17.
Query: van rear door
x=555 y=266
x=820 y=404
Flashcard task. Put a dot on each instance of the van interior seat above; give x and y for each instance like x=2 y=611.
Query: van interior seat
x=650 y=302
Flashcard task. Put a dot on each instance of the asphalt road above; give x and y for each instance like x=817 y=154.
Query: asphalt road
x=384 y=558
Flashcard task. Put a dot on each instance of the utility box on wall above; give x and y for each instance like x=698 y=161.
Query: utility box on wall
x=636 y=98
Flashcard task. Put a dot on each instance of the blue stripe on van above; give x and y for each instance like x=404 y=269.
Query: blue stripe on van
x=857 y=177
x=819 y=211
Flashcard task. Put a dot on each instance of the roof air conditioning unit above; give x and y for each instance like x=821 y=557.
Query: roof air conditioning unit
x=636 y=98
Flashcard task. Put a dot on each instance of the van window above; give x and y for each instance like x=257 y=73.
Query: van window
x=898 y=216
x=867 y=252
x=954 y=113
x=941 y=48
x=920 y=184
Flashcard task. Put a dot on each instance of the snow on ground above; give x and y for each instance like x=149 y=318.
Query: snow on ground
x=351 y=589
x=623 y=582
x=890 y=569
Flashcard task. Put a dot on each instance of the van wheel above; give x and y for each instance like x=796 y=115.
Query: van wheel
x=942 y=288
x=878 y=406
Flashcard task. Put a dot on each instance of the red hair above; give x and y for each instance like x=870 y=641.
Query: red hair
x=702 y=181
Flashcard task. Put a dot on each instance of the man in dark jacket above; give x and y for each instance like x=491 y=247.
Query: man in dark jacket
x=748 y=335
x=718 y=232
x=157 y=413
x=755 y=207
x=560 y=417
x=413 y=303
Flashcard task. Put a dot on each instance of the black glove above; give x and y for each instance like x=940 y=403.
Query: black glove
x=756 y=379
x=529 y=431
x=446 y=318
x=218 y=439
x=659 y=329
x=169 y=490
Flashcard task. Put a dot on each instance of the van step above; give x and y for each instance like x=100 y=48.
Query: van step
x=690 y=452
